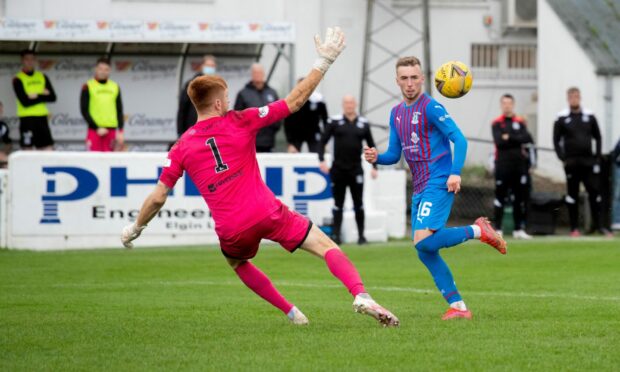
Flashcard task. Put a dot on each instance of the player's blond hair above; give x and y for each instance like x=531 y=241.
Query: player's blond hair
x=203 y=90
x=408 y=61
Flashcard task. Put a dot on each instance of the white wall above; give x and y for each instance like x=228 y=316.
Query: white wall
x=615 y=119
x=264 y=10
x=562 y=63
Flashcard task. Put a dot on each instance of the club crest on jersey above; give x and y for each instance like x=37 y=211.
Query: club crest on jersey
x=263 y=111
x=415 y=120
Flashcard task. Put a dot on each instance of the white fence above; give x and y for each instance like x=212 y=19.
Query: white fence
x=76 y=200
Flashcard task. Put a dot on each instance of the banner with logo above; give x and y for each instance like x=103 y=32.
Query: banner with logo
x=83 y=200
x=146 y=31
x=149 y=90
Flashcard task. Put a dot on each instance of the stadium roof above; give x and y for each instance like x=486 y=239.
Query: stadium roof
x=595 y=25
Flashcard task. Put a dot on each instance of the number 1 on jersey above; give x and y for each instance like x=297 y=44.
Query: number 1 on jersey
x=221 y=166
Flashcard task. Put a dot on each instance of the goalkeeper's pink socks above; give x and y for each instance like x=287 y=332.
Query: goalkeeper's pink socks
x=258 y=282
x=343 y=269
x=336 y=260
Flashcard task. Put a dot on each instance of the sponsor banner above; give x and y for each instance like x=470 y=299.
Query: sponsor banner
x=146 y=31
x=83 y=200
x=73 y=195
x=149 y=90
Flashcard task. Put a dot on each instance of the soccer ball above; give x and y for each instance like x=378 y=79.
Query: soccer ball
x=453 y=79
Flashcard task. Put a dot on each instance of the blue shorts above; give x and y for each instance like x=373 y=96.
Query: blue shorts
x=430 y=209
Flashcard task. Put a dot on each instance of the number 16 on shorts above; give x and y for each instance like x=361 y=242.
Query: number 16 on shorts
x=424 y=210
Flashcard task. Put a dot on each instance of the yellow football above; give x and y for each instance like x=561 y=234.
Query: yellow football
x=453 y=79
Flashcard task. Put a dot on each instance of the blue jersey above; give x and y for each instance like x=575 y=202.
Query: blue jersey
x=422 y=133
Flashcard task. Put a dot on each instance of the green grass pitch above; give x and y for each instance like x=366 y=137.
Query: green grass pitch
x=547 y=305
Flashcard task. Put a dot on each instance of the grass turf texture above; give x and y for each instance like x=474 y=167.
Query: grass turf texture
x=546 y=305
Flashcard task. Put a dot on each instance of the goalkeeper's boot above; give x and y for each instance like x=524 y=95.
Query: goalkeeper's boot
x=364 y=304
x=489 y=236
x=453 y=313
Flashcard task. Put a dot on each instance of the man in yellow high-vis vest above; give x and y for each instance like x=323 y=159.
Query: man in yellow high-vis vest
x=33 y=90
x=102 y=108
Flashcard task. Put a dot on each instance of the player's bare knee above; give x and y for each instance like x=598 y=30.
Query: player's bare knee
x=318 y=243
x=420 y=235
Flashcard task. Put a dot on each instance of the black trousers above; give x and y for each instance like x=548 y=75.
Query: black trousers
x=354 y=180
x=583 y=171
x=511 y=181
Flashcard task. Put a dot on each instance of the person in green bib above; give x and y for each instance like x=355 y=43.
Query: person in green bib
x=102 y=109
x=33 y=90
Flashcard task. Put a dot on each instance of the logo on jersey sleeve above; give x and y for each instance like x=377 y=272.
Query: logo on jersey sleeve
x=263 y=111
x=167 y=163
x=443 y=118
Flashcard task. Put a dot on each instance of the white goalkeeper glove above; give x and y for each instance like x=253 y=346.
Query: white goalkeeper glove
x=131 y=232
x=329 y=50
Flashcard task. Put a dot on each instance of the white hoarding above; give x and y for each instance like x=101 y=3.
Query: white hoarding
x=82 y=200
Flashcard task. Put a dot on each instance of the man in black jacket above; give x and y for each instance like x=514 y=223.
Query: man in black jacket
x=304 y=125
x=258 y=94
x=348 y=130
x=186 y=115
x=512 y=165
x=573 y=132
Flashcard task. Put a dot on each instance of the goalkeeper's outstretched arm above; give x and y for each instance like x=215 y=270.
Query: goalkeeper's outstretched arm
x=328 y=51
x=151 y=206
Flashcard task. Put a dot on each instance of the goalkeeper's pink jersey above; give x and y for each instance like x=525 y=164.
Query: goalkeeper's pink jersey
x=219 y=154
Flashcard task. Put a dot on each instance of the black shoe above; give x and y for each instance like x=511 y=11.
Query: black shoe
x=362 y=240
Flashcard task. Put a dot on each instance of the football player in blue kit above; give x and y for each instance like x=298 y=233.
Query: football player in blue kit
x=421 y=130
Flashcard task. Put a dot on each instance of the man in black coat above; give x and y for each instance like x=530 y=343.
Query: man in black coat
x=257 y=93
x=573 y=132
x=186 y=116
x=512 y=164
x=305 y=125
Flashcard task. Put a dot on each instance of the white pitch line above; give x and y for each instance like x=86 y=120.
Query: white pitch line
x=321 y=285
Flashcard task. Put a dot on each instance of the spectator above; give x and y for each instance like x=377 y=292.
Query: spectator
x=33 y=90
x=186 y=115
x=102 y=108
x=573 y=132
x=348 y=130
x=5 y=141
x=512 y=164
x=258 y=94
x=304 y=125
